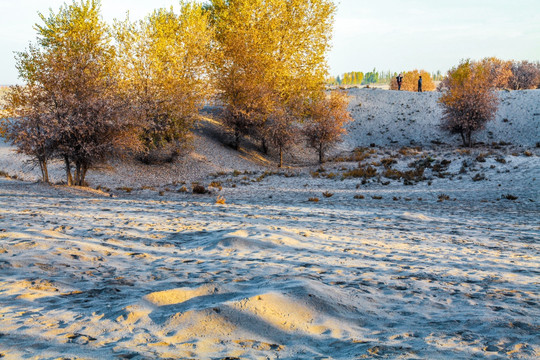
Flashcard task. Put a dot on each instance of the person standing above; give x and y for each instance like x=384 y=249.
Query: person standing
x=420 y=84
x=399 y=79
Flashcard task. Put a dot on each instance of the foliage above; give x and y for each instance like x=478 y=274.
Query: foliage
x=410 y=81
x=499 y=71
x=525 y=75
x=326 y=122
x=70 y=92
x=371 y=77
x=269 y=53
x=163 y=61
x=468 y=100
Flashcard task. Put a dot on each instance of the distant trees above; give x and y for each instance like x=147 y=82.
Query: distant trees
x=410 y=81
x=163 y=62
x=371 y=77
x=525 y=75
x=352 y=78
x=468 y=99
x=327 y=117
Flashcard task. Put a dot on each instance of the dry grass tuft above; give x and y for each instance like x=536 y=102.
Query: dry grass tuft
x=220 y=200
x=313 y=199
x=327 y=194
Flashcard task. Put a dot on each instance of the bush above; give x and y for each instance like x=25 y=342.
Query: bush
x=327 y=118
x=468 y=100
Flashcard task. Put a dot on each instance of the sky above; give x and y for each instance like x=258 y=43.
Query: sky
x=396 y=35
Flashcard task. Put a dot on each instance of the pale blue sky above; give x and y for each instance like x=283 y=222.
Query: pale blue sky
x=386 y=34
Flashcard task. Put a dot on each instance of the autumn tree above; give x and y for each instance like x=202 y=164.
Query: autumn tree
x=327 y=117
x=499 y=71
x=468 y=99
x=69 y=101
x=525 y=75
x=163 y=61
x=269 y=51
x=410 y=81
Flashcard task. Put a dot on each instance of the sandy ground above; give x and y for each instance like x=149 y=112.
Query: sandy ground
x=446 y=267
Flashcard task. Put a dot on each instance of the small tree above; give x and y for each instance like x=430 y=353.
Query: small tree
x=30 y=128
x=410 y=81
x=281 y=130
x=468 y=100
x=68 y=107
x=327 y=117
x=525 y=75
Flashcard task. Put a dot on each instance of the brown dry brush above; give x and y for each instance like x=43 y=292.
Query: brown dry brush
x=525 y=75
x=468 y=100
x=327 y=117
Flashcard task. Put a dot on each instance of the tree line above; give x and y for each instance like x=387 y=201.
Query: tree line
x=93 y=90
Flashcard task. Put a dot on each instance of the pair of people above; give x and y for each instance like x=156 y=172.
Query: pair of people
x=399 y=79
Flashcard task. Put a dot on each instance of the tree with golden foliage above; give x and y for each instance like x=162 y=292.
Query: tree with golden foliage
x=163 y=65
x=69 y=100
x=327 y=117
x=269 y=52
x=410 y=81
x=499 y=71
x=468 y=100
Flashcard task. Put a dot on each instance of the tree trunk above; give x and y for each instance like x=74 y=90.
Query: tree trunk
x=469 y=140
x=321 y=155
x=77 y=173
x=236 y=144
x=69 y=178
x=84 y=170
x=44 y=170
x=264 y=146
x=280 y=156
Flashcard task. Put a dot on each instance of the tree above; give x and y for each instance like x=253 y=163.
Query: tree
x=70 y=91
x=327 y=117
x=525 y=75
x=468 y=100
x=32 y=131
x=269 y=52
x=499 y=71
x=371 y=77
x=410 y=81
x=163 y=61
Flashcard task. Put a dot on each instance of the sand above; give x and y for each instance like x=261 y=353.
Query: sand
x=372 y=270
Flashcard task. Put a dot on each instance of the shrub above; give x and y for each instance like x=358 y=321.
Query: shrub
x=199 y=189
x=509 y=197
x=443 y=197
x=220 y=200
x=469 y=100
x=326 y=120
x=365 y=172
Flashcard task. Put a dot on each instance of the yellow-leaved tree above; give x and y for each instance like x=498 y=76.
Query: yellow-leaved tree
x=270 y=59
x=163 y=62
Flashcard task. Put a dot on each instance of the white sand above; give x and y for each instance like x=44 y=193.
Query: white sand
x=271 y=274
